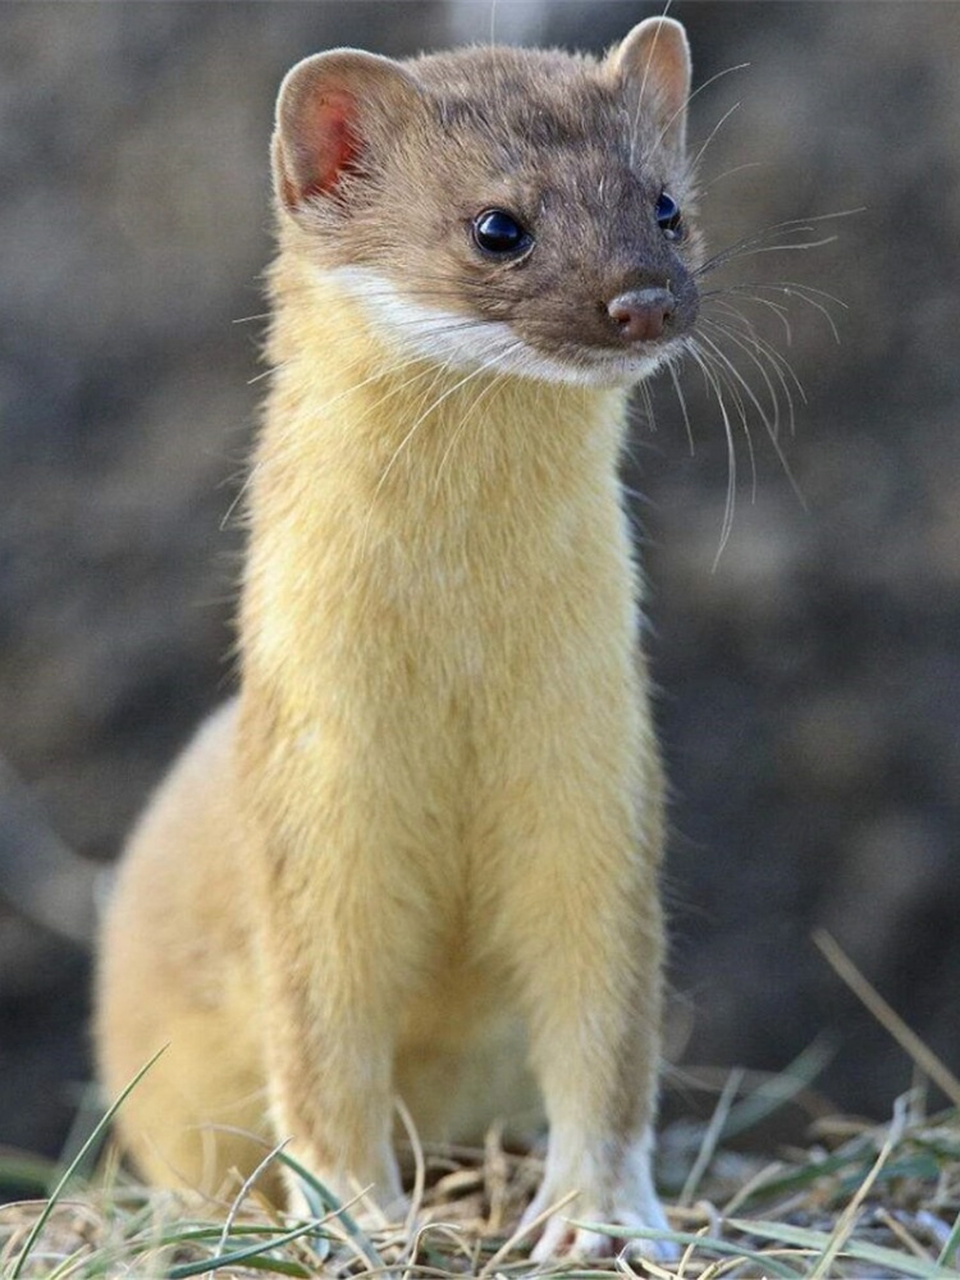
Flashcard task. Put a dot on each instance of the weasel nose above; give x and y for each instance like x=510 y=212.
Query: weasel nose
x=642 y=314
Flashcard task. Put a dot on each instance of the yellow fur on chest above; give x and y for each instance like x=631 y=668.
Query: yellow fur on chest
x=428 y=538
x=438 y=629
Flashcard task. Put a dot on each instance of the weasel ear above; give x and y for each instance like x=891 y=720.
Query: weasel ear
x=652 y=64
x=331 y=108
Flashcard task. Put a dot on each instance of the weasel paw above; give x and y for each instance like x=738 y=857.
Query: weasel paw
x=560 y=1238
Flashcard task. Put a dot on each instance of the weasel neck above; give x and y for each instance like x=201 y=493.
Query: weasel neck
x=397 y=507
x=350 y=411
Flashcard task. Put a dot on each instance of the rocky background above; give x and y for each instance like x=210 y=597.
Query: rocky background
x=809 y=675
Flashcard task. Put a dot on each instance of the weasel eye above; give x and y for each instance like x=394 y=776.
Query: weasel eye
x=668 y=217
x=498 y=232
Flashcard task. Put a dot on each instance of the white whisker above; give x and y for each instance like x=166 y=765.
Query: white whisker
x=739 y=387
x=713 y=133
x=495 y=383
x=715 y=385
x=682 y=400
x=704 y=187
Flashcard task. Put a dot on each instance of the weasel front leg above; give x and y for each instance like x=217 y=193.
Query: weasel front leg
x=329 y=1045
x=331 y=1099
x=335 y=943
x=616 y=1187
x=591 y=969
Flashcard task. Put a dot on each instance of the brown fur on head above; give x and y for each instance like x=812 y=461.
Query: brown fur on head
x=385 y=167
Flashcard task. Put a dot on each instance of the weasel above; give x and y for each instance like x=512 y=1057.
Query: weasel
x=418 y=854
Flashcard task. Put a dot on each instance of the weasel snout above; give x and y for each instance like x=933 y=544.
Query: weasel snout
x=641 y=315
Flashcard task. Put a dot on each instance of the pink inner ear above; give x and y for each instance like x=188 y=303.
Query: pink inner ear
x=328 y=142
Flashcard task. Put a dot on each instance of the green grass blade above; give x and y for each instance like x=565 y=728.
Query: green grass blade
x=276 y=1266
x=327 y=1202
x=893 y=1263
x=844 y=1225
x=74 y=1164
x=773 y=1094
x=951 y=1246
x=790 y=1181
x=772 y=1266
x=251 y=1254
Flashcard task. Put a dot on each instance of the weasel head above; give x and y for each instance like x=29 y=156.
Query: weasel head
x=525 y=211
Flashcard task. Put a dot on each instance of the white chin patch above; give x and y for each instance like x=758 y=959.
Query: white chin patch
x=471 y=345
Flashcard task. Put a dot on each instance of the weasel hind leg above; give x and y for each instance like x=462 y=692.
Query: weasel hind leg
x=175 y=970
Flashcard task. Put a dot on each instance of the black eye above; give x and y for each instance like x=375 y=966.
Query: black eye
x=668 y=217
x=498 y=232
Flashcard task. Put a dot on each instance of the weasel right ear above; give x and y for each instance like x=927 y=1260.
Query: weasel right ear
x=331 y=109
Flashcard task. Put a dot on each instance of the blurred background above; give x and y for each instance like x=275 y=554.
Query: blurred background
x=809 y=677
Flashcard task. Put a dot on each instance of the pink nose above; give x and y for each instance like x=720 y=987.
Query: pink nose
x=642 y=315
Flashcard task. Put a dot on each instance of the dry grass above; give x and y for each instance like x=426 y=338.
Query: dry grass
x=860 y=1200
x=881 y=1201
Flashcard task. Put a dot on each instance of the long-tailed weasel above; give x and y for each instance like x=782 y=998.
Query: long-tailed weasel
x=418 y=855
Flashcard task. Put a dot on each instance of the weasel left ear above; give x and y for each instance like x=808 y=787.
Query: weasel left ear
x=332 y=109
x=652 y=63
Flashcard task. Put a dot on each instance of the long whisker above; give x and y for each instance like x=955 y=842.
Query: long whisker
x=758 y=344
x=746 y=339
x=710 y=183
x=682 y=400
x=713 y=133
x=643 y=393
x=494 y=384
x=760 y=240
x=438 y=373
x=727 y=375
x=690 y=97
x=751 y=246
x=781 y=368
x=770 y=418
x=715 y=385
x=422 y=417
x=722 y=303
x=815 y=298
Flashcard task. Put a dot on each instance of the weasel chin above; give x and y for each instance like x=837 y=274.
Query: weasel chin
x=475 y=346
